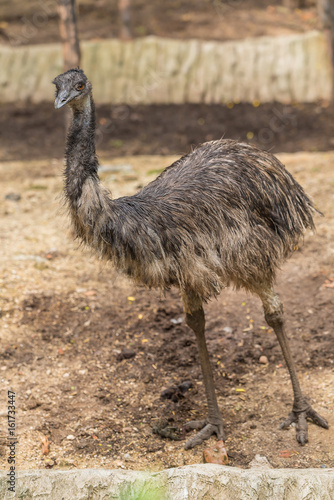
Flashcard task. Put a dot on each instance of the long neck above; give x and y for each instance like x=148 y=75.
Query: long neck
x=81 y=160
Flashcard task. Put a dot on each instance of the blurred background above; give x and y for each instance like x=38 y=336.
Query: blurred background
x=168 y=75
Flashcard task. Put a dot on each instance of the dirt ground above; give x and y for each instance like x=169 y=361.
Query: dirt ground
x=66 y=317
x=36 y=21
x=33 y=131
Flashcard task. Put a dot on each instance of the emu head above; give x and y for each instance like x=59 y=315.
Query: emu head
x=71 y=88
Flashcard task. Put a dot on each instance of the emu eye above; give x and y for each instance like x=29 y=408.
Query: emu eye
x=80 y=86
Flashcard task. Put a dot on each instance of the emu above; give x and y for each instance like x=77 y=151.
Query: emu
x=225 y=214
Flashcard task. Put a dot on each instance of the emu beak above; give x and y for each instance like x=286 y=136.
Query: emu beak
x=61 y=99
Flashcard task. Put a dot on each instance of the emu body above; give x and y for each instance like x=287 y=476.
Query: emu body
x=225 y=214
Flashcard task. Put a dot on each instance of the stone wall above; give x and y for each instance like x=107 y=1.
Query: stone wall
x=192 y=482
x=159 y=70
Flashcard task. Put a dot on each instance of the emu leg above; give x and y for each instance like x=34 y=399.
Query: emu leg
x=213 y=424
x=301 y=409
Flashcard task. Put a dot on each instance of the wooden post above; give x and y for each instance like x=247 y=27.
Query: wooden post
x=326 y=13
x=125 y=19
x=69 y=33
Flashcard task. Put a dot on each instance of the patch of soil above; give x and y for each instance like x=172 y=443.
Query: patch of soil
x=37 y=22
x=37 y=131
x=65 y=320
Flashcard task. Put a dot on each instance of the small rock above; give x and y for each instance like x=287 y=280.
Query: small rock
x=260 y=462
x=228 y=329
x=263 y=360
x=216 y=454
x=49 y=463
x=176 y=321
x=52 y=253
x=126 y=354
x=185 y=386
x=323 y=466
x=127 y=457
x=70 y=437
x=13 y=196
x=175 y=393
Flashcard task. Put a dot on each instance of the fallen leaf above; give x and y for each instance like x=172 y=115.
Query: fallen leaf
x=45 y=446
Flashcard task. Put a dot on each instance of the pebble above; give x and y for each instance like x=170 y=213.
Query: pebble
x=185 y=386
x=228 y=329
x=13 y=196
x=70 y=437
x=127 y=457
x=260 y=462
x=216 y=454
x=263 y=360
x=126 y=354
x=175 y=393
x=176 y=321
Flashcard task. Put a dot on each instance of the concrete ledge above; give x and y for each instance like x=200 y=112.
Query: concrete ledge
x=192 y=482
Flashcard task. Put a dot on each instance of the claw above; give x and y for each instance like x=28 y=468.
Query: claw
x=195 y=424
x=302 y=438
x=202 y=435
x=300 y=417
x=317 y=419
x=301 y=429
x=288 y=421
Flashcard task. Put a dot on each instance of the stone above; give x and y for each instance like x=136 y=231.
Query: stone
x=260 y=462
x=191 y=482
x=13 y=196
x=228 y=329
x=216 y=454
x=126 y=353
x=263 y=360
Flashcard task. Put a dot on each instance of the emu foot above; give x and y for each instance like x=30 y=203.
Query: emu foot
x=206 y=431
x=300 y=418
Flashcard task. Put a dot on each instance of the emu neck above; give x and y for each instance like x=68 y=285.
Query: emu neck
x=81 y=160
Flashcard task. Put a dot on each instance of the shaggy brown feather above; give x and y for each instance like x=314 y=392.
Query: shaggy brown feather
x=225 y=214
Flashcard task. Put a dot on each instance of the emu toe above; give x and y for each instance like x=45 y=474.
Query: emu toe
x=207 y=430
x=300 y=418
